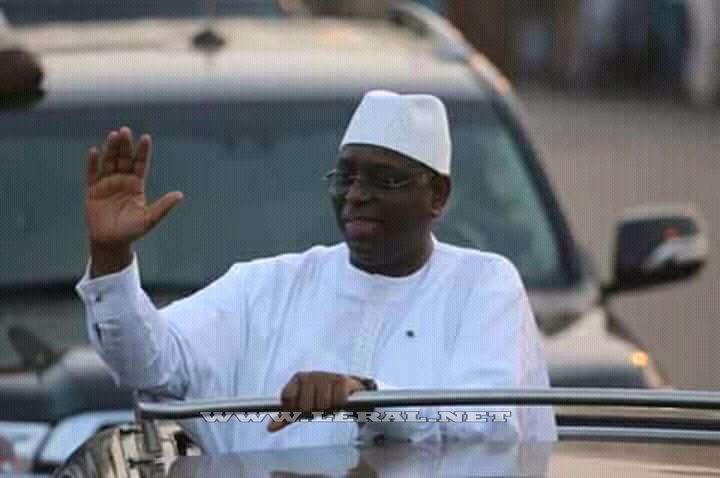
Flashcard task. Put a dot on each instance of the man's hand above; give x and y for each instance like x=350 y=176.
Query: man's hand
x=308 y=392
x=117 y=212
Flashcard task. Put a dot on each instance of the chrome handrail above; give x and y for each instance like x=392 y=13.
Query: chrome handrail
x=689 y=399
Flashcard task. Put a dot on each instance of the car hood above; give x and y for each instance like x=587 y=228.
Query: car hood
x=600 y=458
x=586 y=354
x=113 y=452
x=563 y=459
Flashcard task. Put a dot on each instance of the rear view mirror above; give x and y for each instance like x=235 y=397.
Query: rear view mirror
x=657 y=245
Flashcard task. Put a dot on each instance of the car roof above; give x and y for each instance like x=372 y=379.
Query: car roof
x=155 y=60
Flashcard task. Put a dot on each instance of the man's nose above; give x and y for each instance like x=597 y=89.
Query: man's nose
x=358 y=191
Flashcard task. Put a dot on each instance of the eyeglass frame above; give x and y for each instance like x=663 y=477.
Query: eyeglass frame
x=374 y=190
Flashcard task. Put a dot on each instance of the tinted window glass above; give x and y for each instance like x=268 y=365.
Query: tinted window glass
x=253 y=188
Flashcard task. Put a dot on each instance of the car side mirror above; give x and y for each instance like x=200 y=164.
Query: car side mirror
x=21 y=74
x=657 y=245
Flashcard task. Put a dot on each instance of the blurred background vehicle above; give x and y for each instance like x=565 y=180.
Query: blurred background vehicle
x=235 y=101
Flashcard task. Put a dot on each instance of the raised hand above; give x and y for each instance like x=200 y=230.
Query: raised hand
x=117 y=211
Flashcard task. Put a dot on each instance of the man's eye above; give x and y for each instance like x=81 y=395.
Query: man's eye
x=392 y=181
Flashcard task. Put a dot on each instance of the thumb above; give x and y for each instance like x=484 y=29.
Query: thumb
x=352 y=385
x=159 y=209
x=276 y=426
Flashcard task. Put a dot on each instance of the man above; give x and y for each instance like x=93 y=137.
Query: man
x=702 y=67
x=391 y=307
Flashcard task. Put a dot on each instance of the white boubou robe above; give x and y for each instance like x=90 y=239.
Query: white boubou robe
x=461 y=321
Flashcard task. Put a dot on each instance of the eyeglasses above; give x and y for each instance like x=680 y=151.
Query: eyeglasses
x=374 y=183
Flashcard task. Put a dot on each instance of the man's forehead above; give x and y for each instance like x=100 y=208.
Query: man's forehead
x=370 y=155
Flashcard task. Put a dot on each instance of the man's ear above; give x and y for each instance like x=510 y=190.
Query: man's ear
x=441 y=187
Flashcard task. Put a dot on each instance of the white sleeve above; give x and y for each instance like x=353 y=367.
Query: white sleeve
x=181 y=350
x=498 y=346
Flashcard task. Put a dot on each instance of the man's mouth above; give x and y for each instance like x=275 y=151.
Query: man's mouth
x=361 y=227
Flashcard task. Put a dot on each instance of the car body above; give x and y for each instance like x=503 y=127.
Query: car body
x=630 y=433
x=229 y=120
x=566 y=459
x=44 y=11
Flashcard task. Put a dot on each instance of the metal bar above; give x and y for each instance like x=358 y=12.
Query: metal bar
x=636 y=434
x=151 y=437
x=478 y=397
x=639 y=413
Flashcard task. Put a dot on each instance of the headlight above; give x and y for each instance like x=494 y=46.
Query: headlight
x=640 y=359
x=651 y=375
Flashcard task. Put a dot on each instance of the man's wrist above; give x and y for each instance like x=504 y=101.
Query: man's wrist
x=369 y=384
x=108 y=260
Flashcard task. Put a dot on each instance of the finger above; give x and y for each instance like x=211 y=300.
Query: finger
x=324 y=396
x=352 y=386
x=306 y=399
x=290 y=394
x=125 y=146
x=143 y=153
x=108 y=162
x=125 y=157
x=124 y=165
x=93 y=166
x=277 y=426
x=158 y=210
x=339 y=393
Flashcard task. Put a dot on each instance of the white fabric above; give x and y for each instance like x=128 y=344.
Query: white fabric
x=414 y=125
x=247 y=333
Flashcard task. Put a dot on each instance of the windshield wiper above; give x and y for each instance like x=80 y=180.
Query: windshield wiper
x=34 y=353
x=20 y=291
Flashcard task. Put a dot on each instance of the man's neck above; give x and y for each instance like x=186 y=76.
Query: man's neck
x=400 y=268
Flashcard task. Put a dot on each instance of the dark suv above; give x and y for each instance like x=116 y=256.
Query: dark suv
x=245 y=125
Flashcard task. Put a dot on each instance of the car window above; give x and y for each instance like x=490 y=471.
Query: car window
x=495 y=205
x=251 y=193
x=252 y=178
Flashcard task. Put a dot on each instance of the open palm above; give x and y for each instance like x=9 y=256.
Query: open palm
x=117 y=211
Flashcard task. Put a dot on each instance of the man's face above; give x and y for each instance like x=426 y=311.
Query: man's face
x=383 y=225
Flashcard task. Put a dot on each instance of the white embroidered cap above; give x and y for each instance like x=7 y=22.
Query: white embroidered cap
x=414 y=125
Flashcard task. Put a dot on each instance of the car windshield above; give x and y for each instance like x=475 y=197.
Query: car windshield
x=252 y=177
x=21 y=12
